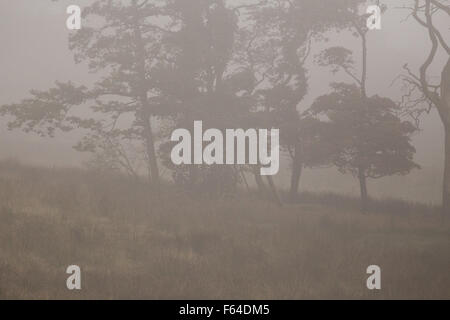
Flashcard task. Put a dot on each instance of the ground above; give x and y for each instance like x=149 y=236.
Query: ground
x=132 y=242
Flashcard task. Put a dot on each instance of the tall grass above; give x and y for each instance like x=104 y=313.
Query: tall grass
x=131 y=242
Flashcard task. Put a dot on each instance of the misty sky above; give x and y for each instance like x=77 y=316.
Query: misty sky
x=34 y=53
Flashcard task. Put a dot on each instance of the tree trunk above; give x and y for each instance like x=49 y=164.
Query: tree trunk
x=446 y=176
x=445 y=117
x=151 y=152
x=274 y=191
x=297 y=168
x=146 y=112
x=244 y=178
x=363 y=188
x=259 y=181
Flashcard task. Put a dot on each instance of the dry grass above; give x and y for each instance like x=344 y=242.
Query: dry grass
x=131 y=243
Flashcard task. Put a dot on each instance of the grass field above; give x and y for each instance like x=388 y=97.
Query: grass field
x=133 y=243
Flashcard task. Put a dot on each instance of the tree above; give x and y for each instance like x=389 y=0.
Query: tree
x=207 y=83
x=371 y=139
x=286 y=30
x=360 y=124
x=121 y=43
x=435 y=95
x=164 y=64
x=244 y=64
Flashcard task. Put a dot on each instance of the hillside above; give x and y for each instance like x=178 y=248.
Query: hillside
x=133 y=243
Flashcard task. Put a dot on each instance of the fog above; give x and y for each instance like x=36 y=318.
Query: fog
x=35 y=53
x=224 y=149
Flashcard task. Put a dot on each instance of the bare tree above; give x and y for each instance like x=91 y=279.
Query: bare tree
x=436 y=94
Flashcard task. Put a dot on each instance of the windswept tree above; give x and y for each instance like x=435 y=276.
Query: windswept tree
x=243 y=66
x=278 y=50
x=121 y=42
x=206 y=82
x=370 y=139
x=425 y=92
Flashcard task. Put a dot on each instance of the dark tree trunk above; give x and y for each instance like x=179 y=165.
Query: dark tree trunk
x=363 y=188
x=151 y=153
x=361 y=171
x=241 y=172
x=259 y=181
x=297 y=168
x=273 y=190
x=146 y=110
x=446 y=177
x=444 y=109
